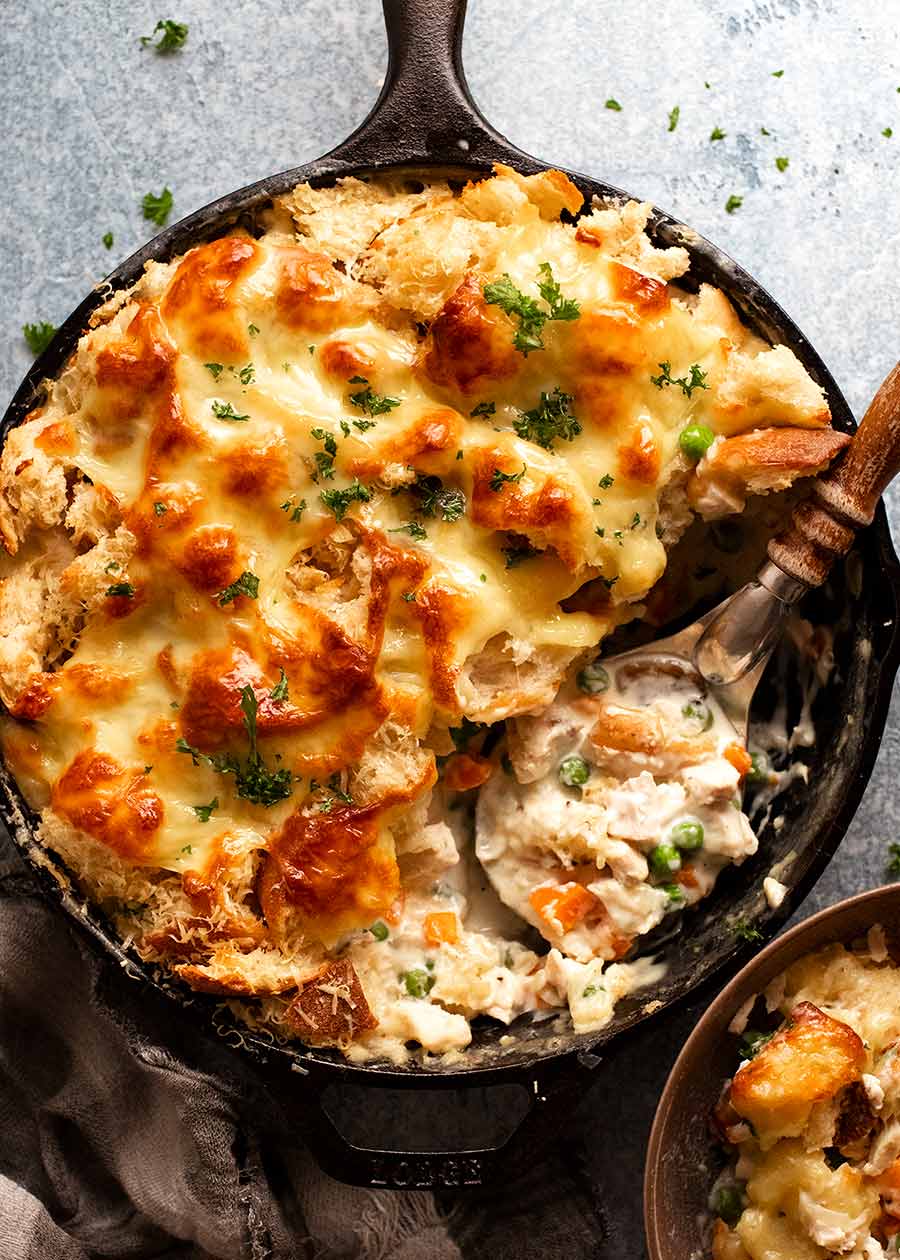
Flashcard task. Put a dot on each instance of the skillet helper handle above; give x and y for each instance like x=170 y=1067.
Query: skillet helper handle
x=844 y=498
x=555 y=1093
x=425 y=114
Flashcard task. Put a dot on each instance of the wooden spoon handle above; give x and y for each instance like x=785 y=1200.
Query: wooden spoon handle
x=844 y=498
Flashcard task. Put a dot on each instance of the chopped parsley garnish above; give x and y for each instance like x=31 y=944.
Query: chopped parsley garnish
x=606 y=481
x=225 y=411
x=345 y=428
x=363 y=425
x=550 y=420
x=764 y=131
x=776 y=74
x=368 y=401
x=339 y=501
x=38 y=336
x=591 y=990
x=252 y=330
x=160 y=509
x=433 y=498
x=516 y=555
x=246 y=374
x=782 y=163
x=752 y=1042
x=295 y=510
x=888 y=132
x=121 y=588
x=172 y=36
x=205 y=812
x=733 y=203
x=413 y=528
x=893 y=863
x=280 y=690
x=216 y=369
x=483 y=409
x=247 y=584
x=334 y=786
x=157 y=209
x=112 y=567
x=609 y=583
x=745 y=931
x=253 y=780
x=531 y=316
x=408 y=597
x=687 y=384
x=674 y=115
x=499 y=478
x=380 y=931
x=612 y=103
x=324 y=459
x=107 y=239
x=717 y=134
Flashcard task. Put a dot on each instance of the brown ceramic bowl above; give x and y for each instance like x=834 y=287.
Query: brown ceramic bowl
x=681 y=1165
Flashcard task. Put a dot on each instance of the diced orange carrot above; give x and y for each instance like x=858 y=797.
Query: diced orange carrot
x=563 y=904
x=441 y=928
x=686 y=877
x=463 y=771
x=739 y=757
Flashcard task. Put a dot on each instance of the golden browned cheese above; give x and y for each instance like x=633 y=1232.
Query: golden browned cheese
x=289 y=505
x=807 y=1062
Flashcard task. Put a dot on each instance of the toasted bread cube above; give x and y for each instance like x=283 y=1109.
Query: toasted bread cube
x=331 y=1008
x=807 y=1062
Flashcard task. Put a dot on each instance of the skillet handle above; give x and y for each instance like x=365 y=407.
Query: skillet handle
x=555 y=1093
x=425 y=113
x=844 y=498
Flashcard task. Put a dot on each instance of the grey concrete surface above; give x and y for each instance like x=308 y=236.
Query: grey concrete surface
x=92 y=121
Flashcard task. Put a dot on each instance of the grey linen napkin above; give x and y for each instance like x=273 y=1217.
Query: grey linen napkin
x=126 y=1132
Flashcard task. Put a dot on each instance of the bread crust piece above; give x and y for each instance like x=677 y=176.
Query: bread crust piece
x=759 y=462
x=331 y=1008
x=807 y=1062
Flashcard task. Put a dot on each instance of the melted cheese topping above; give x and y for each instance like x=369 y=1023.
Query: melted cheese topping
x=280 y=524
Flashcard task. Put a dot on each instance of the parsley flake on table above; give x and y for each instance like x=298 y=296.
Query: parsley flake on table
x=551 y=419
x=612 y=103
x=776 y=74
x=157 y=209
x=38 y=336
x=782 y=163
x=733 y=203
x=107 y=239
x=764 y=132
x=674 y=115
x=172 y=36
x=888 y=131
x=717 y=134
x=247 y=584
x=893 y=863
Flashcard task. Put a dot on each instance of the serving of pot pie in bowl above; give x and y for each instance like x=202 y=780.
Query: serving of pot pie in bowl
x=310 y=549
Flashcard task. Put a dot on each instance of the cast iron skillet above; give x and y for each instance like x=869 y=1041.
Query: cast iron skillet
x=425 y=120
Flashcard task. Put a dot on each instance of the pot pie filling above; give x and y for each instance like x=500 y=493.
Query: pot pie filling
x=309 y=552
x=811 y=1118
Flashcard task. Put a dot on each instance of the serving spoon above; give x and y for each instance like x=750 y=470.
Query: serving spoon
x=726 y=651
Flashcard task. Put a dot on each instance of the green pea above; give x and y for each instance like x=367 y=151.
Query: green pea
x=729 y=1204
x=574 y=771
x=593 y=679
x=696 y=440
x=687 y=835
x=418 y=982
x=759 y=768
x=664 y=860
x=380 y=931
x=675 y=895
